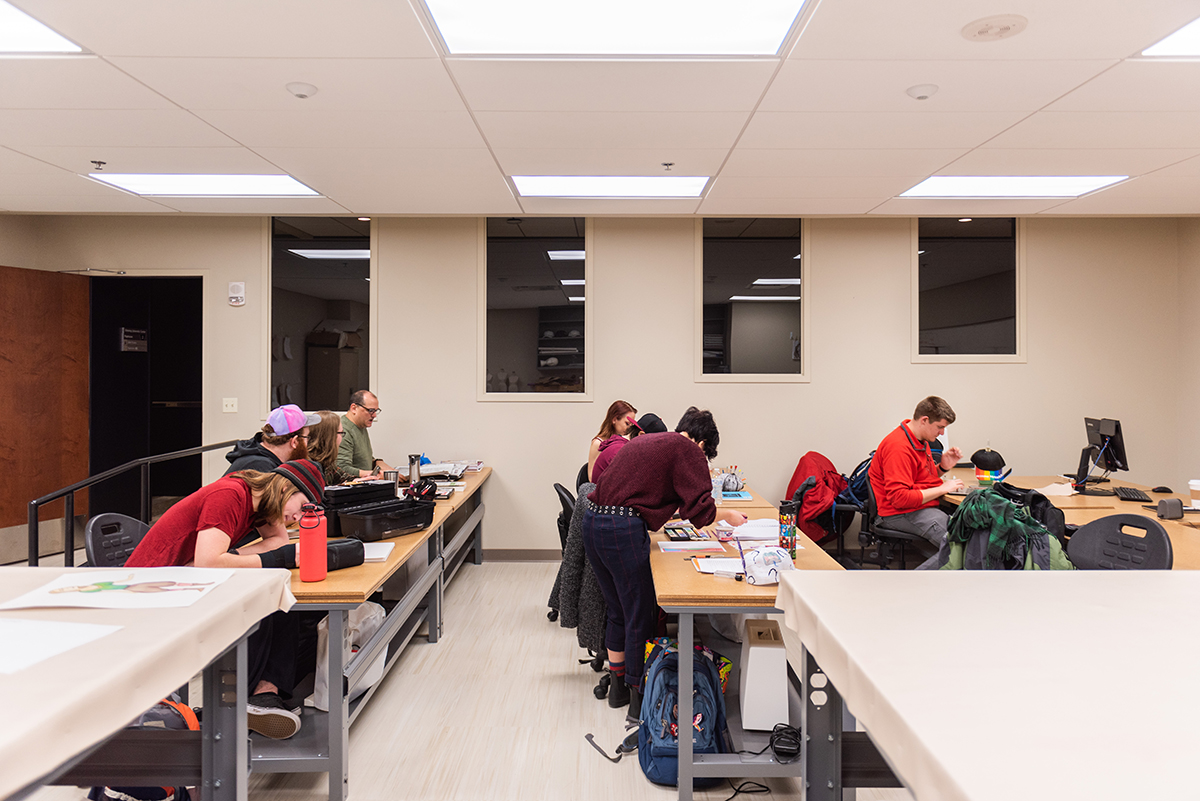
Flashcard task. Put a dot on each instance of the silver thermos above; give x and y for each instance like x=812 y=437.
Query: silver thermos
x=414 y=469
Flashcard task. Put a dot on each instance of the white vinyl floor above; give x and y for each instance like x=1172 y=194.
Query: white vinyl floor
x=496 y=710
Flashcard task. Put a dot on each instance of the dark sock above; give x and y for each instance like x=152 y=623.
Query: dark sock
x=617 y=670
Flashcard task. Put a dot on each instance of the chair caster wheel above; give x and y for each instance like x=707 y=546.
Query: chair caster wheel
x=552 y=615
x=600 y=691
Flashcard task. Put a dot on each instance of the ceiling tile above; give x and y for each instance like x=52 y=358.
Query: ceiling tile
x=824 y=162
x=811 y=187
x=595 y=161
x=315 y=127
x=112 y=203
x=1186 y=167
x=611 y=85
x=72 y=83
x=1104 y=203
x=103 y=128
x=1103 y=129
x=14 y=163
x=966 y=207
x=579 y=207
x=932 y=29
x=880 y=131
x=1138 y=86
x=254 y=205
x=804 y=85
x=1003 y=161
x=1158 y=185
x=217 y=160
x=776 y=206
x=618 y=130
x=347 y=84
x=233 y=28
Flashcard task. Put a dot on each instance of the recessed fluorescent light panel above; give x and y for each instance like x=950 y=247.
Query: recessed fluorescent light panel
x=331 y=254
x=764 y=297
x=777 y=282
x=1184 y=42
x=1011 y=186
x=622 y=186
x=572 y=281
x=161 y=185
x=565 y=255
x=21 y=33
x=614 y=27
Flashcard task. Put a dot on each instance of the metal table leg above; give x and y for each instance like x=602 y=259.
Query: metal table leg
x=339 y=707
x=821 y=722
x=686 y=636
x=225 y=748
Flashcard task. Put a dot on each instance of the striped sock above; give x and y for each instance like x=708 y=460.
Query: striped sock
x=617 y=670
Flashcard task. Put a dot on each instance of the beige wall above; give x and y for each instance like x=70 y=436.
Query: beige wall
x=1110 y=303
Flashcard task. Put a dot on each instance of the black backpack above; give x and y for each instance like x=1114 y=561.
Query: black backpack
x=1039 y=506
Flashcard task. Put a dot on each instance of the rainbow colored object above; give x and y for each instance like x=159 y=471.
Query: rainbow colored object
x=987 y=477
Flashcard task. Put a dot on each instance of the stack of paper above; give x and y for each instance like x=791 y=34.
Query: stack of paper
x=764 y=529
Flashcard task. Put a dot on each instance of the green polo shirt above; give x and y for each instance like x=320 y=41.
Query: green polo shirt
x=355 y=452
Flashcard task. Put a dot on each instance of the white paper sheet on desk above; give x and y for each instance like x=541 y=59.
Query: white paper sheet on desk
x=727 y=565
x=1056 y=489
x=377 y=551
x=127 y=588
x=759 y=529
x=27 y=642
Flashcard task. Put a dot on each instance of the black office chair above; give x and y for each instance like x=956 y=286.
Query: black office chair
x=875 y=531
x=110 y=538
x=582 y=477
x=1104 y=545
x=564 y=517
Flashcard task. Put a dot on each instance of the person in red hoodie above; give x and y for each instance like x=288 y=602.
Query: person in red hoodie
x=906 y=479
x=650 y=479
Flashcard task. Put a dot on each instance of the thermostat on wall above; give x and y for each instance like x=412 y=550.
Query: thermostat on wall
x=237 y=293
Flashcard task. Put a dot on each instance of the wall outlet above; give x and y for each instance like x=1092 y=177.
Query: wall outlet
x=229 y=405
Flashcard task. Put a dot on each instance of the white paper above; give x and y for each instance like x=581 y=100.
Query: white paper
x=1057 y=489
x=27 y=642
x=726 y=565
x=377 y=551
x=758 y=529
x=126 y=588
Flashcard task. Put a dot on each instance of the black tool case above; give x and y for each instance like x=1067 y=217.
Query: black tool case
x=386 y=519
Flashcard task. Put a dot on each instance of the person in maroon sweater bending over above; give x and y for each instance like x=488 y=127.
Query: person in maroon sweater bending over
x=906 y=480
x=203 y=529
x=650 y=478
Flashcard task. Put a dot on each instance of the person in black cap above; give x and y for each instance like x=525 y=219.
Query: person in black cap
x=200 y=530
x=648 y=423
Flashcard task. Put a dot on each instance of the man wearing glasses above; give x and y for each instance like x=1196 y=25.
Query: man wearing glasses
x=283 y=439
x=354 y=454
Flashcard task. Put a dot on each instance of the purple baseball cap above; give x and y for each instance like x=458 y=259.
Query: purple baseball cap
x=289 y=419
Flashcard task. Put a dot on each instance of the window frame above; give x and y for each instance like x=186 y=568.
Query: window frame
x=805 y=375
x=481 y=391
x=1021 y=355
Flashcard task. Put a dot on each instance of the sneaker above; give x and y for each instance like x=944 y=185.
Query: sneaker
x=269 y=716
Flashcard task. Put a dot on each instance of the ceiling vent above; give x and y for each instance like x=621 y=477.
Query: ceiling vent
x=993 y=29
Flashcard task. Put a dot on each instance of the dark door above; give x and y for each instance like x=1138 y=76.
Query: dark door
x=146 y=350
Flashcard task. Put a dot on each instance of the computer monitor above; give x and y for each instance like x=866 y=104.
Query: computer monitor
x=1104 y=436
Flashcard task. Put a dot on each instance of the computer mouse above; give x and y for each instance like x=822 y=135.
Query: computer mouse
x=1166 y=490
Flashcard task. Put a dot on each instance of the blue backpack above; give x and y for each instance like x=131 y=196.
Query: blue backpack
x=658 y=739
x=856 y=484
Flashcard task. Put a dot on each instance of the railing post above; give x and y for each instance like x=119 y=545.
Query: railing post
x=33 y=534
x=69 y=530
x=146 y=493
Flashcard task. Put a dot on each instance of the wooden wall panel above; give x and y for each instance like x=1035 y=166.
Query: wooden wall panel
x=43 y=389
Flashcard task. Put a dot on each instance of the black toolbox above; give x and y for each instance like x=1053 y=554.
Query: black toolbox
x=387 y=519
x=344 y=495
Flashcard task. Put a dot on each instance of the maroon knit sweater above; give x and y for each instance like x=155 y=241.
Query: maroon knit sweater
x=657 y=474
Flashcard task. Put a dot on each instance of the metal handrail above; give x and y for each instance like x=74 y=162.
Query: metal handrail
x=69 y=493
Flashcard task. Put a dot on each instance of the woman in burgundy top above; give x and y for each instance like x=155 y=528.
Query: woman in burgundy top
x=616 y=423
x=649 y=479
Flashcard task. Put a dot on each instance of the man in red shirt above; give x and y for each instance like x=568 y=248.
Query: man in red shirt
x=906 y=480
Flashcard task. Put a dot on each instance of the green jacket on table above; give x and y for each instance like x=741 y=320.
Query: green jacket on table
x=990 y=532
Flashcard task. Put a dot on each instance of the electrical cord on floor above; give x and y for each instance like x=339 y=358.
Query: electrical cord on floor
x=747 y=788
x=784 y=744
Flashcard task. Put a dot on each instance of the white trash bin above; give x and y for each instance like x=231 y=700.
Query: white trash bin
x=763 y=683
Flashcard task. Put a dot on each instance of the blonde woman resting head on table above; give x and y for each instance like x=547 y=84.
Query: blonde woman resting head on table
x=620 y=418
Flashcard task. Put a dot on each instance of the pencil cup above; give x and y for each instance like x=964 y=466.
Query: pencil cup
x=718 y=487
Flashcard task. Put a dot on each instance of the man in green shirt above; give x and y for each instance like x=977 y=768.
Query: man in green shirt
x=354 y=453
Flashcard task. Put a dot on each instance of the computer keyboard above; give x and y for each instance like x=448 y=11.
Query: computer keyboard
x=1131 y=494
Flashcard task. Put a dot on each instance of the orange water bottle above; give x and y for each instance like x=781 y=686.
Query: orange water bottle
x=311 y=556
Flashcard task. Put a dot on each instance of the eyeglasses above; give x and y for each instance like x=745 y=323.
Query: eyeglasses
x=341 y=433
x=304 y=437
x=370 y=411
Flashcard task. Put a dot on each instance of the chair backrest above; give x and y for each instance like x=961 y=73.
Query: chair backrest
x=1104 y=544
x=110 y=538
x=582 y=477
x=566 y=499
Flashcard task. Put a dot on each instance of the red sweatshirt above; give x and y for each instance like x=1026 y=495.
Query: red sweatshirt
x=657 y=474
x=901 y=468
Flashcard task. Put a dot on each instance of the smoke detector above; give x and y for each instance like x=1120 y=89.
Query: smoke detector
x=922 y=91
x=993 y=29
x=301 y=90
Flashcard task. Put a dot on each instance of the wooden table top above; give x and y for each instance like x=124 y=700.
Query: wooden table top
x=1065 y=502
x=353 y=585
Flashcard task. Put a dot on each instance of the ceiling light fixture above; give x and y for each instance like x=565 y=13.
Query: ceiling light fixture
x=964 y=219
x=566 y=255
x=575 y=300
x=922 y=91
x=572 y=281
x=166 y=185
x=21 y=33
x=344 y=254
x=301 y=90
x=613 y=186
x=764 y=297
x=364 y=219
x=614 y=27
x=777 y=282
x=1010 y=186
x=1183 y=42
